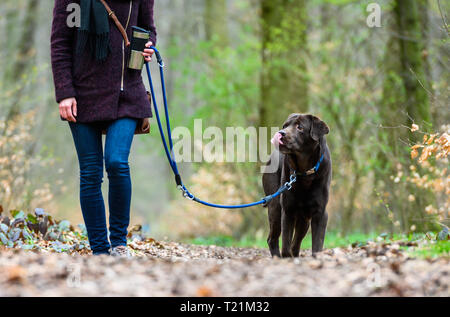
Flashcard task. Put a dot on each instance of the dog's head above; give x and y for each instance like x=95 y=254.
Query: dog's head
x=300 y=133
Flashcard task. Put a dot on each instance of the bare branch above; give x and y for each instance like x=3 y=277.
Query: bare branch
x=443 y=18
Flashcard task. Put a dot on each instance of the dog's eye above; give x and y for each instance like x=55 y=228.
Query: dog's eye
x=300 y=128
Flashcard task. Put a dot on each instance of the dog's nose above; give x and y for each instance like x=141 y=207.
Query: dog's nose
x=282 y=132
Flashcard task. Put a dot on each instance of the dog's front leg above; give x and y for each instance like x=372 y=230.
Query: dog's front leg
x=318 y=229
x=287 y=230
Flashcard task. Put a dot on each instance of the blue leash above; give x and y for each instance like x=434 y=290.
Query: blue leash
x=168 y=148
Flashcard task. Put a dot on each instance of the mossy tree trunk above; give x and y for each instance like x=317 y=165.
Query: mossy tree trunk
x=405 y=101
x=412 y=59
x=216 y=28
x=24 y=53
x=284 y=84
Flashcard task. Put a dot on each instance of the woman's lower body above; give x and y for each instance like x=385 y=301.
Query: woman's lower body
x=88 y=143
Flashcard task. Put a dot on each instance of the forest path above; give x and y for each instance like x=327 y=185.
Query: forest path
x=174 y=269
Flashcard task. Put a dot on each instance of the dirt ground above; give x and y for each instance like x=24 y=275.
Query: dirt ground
x=173 y=269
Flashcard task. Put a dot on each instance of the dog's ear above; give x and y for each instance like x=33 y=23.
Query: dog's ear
x=318 y=128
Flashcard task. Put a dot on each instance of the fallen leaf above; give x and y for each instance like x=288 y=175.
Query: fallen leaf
x=16 y=274
x=204 y=291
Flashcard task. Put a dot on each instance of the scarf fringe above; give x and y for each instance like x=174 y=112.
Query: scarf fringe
x=83 y=37
x=97 y=44
x=102 y=46
x=93 y=33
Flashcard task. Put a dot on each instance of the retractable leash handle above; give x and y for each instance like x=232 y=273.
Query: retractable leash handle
x=169 y=149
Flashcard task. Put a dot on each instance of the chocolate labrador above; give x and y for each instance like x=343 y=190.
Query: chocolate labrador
x=301 y=150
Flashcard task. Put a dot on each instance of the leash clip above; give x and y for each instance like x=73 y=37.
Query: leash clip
x=185 y=193
x=292 y=180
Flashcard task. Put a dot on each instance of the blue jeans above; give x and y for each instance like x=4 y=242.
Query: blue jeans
x=88 y=143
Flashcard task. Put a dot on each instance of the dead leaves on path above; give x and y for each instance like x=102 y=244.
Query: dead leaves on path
x=162 y=268
x=374 y=269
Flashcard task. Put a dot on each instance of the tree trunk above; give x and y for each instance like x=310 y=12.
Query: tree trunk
x=405 y=67
x=284 y=87
x=216 y=21
x=25 y=52
x=405 y=100
x=412 y=59
x=25 y=49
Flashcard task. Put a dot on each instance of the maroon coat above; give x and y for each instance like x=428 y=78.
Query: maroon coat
x=104 y=90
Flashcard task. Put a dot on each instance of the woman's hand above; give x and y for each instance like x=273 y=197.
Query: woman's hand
x=148 y=52
x=68 y=109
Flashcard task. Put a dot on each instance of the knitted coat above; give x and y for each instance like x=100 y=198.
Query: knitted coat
x=104 y=90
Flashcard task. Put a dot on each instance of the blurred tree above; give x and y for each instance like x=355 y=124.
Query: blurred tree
x=405 y=66
x=412 y=59
x=405 y=98
x=23 y=53
x=216 y=22
x=284 y=84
